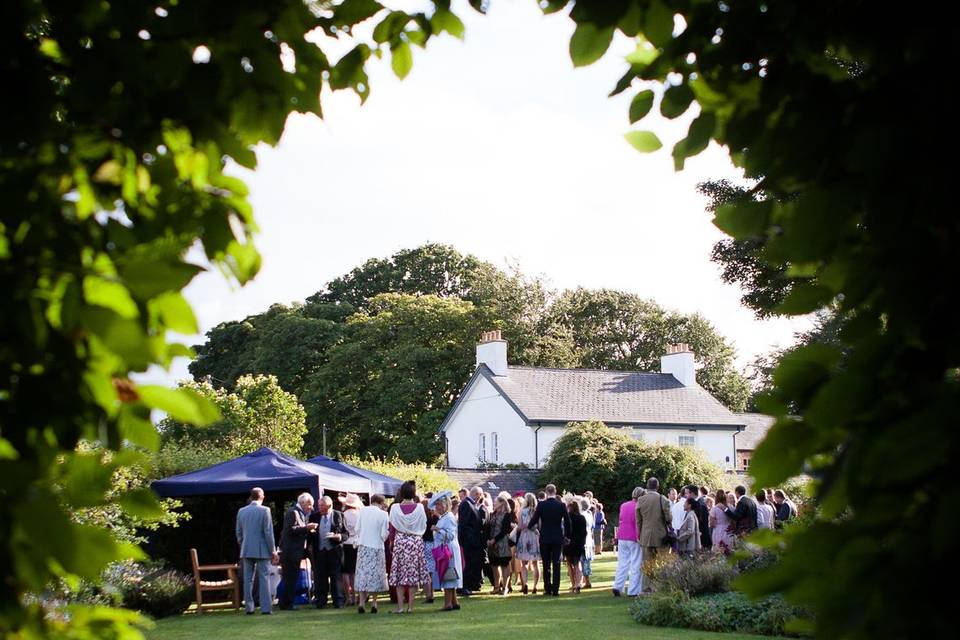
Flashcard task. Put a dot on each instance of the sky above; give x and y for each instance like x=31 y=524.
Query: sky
x=498 y=146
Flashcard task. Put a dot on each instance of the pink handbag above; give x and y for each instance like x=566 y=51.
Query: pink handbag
x=441 y=558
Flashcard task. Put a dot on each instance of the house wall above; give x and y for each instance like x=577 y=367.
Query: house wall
x=717 y=444
x=485 y=411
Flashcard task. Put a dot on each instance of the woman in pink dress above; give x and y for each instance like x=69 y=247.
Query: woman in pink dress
x=721 y=527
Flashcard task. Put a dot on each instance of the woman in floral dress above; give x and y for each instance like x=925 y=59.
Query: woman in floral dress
x=409 y=568
x=528 y=543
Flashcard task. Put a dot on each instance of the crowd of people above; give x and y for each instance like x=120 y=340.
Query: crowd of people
x=651 y=523
x=449 y=542
x=444 y=542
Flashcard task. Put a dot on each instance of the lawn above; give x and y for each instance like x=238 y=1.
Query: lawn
x=589 y=615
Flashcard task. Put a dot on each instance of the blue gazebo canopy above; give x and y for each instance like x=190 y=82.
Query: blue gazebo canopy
x=380 y=483
x=265 y=468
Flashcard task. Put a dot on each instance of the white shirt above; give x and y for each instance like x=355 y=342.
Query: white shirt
x=372 y=527
x=677 y=514
x=764 y=515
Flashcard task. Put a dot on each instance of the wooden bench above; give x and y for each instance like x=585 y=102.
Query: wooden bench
x=231 y=584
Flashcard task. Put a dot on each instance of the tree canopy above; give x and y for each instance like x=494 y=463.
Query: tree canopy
x=256 y=413
x=622 y=331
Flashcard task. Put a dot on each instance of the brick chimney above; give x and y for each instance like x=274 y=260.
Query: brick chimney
x=492 y=351
x=679 y=361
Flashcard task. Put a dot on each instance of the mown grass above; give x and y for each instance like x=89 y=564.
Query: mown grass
x=590 y=615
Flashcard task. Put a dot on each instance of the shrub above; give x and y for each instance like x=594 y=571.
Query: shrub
x=700 y=575
x=158 y=592
x=427 y=476
x=722 y=612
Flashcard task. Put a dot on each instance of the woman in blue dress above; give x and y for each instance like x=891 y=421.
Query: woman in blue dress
x=445 y=533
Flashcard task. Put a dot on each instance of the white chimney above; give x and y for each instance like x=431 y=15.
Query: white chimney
x=492 y=351
x=678 y=361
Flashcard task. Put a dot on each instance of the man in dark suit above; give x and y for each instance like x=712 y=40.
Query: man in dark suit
x=555 y=530
x=703 y=515
x=469 y=527
x=327 y=553
x=745 y=513
x=293 y=547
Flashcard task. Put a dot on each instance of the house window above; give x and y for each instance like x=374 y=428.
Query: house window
x=638 y=434
x=687 y=441
x=494 y=447
x=482 y=448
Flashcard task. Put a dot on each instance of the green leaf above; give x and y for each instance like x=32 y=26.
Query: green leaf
x=658 y=23
x=244 y=260
x=390 y=27
x=349 y=72
x=676 y=100
x=184 y=405
x=147 y=278
x=7 y=452
x=141 y=503
x=444 y=20
x=122 y=336
x=804 y=368
x=350 y=12
x=643 y=141
x=402 y=59
x=781 y=453
x=175 y=312
x=743 y=219
x=698 y=137
x=137 y=429
x=589 y=43
x=102 y=389
x=805 y=298
x=643 y=55
x=641 y=105
x=110 y=294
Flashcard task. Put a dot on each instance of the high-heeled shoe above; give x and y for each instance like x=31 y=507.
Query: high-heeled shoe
x=523 y=590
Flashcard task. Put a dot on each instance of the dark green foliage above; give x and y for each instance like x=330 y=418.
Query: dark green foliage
x=722 y=612
x=801 y=97
x=592 y=456
x=741 y=259
x=120 y=120
x=389 y=384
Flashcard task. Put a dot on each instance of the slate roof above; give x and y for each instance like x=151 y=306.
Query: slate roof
x=757 y=427
x=511 y=480
x=615 y=397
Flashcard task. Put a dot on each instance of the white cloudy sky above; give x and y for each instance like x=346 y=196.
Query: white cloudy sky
x=499 y=147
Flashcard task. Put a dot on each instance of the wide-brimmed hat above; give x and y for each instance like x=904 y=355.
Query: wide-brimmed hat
x=437 y=497
x=351 y=500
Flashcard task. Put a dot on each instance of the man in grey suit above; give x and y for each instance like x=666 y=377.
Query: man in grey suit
x=257 y=548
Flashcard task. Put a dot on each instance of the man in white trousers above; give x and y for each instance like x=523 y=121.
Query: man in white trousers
x=629 y=552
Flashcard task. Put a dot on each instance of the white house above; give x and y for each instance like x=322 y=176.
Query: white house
x=514 y=415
